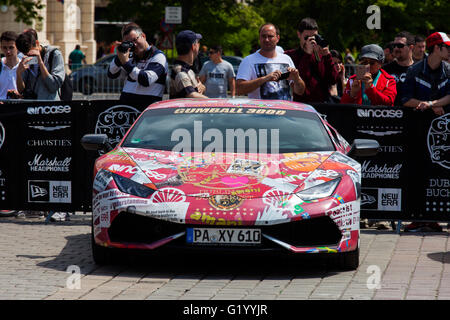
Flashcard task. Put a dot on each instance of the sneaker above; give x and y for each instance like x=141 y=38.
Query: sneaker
x=20 y=215
x=423 y=227
x=58 y=216
x=381 y=225
x=7 y=213
x=363 y=224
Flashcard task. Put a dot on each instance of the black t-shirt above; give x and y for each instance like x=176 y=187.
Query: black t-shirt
x=399 y=73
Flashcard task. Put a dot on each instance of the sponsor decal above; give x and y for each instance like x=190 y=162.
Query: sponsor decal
x=225 y=202
x=381 y=199
x=346 y=216
x=50 y=143
x=49 y=126
x=39 y=164
x=49 y=110
x=438 y=188
x=390 y=149
x=231 y=110
x=2 y=135
x=244 y=166
x=115 y=122
x=379 y=113
x=374 y=171
x=438 y=141
x=49 y=191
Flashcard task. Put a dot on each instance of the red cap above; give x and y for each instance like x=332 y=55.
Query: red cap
x=437 y=38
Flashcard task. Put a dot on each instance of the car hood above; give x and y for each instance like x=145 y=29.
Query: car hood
x=207 y=174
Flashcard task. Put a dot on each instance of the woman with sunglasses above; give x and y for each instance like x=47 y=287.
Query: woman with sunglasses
x=376 y=87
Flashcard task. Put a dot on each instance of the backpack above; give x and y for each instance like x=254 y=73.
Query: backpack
x=66 y=91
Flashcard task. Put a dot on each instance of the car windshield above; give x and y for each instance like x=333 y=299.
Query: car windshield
x=238 y=130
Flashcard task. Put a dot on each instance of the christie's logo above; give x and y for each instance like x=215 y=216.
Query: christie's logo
x=49 y=110
x=379 y=113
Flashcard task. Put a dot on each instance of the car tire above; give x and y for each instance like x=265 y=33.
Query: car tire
x=348 y=260
x=87 y=86
x=101 y=255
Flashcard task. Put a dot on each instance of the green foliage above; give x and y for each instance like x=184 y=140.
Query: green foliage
x=235 y=26
x=26 y=10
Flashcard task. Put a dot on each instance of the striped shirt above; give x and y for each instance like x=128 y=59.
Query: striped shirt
x=145 y=79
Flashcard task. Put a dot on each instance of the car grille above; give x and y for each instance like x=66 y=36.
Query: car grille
x=128 y=227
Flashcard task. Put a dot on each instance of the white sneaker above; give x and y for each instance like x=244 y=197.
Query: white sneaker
x=58 y=216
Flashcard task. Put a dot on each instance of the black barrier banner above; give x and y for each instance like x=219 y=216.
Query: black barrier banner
x=44 y=167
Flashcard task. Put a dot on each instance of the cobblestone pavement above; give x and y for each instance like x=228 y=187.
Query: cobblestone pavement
x=35 y=264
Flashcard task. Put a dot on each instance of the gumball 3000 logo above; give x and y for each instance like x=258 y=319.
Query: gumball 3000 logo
x=439 y=141
x=115 y=121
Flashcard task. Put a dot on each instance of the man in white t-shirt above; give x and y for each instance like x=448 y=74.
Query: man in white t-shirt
x=267 y=73
x=8 y=65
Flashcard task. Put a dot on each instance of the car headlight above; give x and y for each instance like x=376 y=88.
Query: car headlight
x=322 y=190
x=129 y=186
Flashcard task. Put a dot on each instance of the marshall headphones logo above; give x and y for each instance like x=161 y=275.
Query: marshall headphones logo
x=2 y=135
x=439 y=141
x=115 y=121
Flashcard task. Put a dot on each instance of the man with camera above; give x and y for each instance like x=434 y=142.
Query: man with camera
x=38 y=78
x=268 y=74
x=142 y=65
x=314 y=62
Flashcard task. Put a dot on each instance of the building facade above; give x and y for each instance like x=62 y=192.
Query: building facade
x=65 y=24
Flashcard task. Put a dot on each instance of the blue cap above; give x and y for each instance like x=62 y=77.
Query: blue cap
x=187 y=36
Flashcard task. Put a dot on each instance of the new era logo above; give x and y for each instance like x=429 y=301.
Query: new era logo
x=37 y=191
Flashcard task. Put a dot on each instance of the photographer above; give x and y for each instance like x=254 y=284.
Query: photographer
x=142 y=65
x=314 y=62
x=35 y=78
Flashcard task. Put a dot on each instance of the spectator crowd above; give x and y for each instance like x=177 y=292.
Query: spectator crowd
x=411 y=71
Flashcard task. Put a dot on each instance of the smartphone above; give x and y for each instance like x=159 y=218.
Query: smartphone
x=34 y=60
x=284 y=76
x=361 y=70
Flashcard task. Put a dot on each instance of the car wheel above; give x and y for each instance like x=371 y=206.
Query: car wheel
x=87 y=86
x=348 y=260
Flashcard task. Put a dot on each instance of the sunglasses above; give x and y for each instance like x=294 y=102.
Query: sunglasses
x=398 y=45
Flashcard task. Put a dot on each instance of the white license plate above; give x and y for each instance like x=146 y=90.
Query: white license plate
x=223 y=236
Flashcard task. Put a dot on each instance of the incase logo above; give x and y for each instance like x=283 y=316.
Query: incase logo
x=379 y=113
x=49 y=110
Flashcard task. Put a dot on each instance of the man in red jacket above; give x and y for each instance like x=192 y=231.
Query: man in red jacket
x=377 y=87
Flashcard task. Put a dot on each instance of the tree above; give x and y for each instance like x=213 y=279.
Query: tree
x=26 y=10
x=226 y=22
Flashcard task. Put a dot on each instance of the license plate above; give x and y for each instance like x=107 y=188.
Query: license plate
x=223 y=236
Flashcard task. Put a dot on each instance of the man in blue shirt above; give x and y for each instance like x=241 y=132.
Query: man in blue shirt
x=427 y=83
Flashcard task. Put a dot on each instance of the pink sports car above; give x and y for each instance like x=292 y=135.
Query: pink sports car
x=228 y=174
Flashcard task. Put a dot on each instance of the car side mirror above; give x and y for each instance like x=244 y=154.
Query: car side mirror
x=94 y=142
x=364 y=148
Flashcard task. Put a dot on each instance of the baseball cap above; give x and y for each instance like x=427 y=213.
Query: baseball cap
x=372 y=51
x=187 y=36
x=437 y=38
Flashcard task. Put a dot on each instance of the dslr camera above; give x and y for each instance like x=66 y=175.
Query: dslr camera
x=321 y=40
x=124 y=46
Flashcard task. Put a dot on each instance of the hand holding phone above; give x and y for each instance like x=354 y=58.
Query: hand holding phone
x=361 y=70
x=33 y=60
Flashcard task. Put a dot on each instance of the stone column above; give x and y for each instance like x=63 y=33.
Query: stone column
x=87 y=29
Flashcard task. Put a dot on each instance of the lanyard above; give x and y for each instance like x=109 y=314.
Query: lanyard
x=365 y=99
